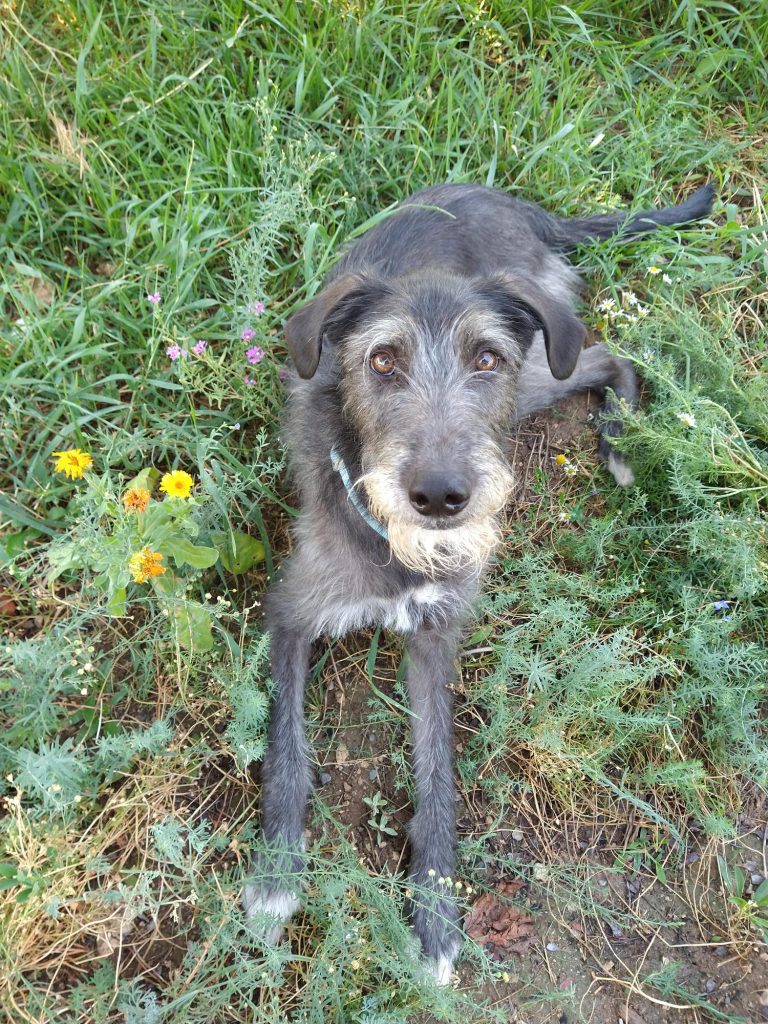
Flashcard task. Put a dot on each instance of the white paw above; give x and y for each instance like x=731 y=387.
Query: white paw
x=442 y=968
x=620 y=470
x=269 y=910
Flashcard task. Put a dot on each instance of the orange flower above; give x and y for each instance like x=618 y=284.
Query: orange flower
x=145 y=564
x=74 y=462
x=136 y=499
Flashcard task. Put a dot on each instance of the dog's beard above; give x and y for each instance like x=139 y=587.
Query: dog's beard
x=462 y=548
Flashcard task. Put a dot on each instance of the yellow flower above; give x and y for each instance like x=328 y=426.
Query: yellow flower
x=136 y=499
x=73 y=462
x=560 y=460
x=145 y=564
x=177 y=484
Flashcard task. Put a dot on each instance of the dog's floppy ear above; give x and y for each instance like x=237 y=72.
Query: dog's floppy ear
x=332 y=311
x=563 y=332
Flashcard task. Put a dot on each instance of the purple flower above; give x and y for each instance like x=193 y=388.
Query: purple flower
x=248 y=334
x=721 y=606
x=256 y=308
x=154 y=298
x=199 y=347
x=249 y=381
x=173 y=352
x=254 y=355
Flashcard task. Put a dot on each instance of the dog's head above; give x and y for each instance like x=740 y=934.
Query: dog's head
x=427 y=367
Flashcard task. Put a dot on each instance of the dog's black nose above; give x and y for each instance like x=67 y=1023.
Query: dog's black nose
x=434 y=494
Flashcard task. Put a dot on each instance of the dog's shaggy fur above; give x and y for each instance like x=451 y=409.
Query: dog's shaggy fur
x=436 y=331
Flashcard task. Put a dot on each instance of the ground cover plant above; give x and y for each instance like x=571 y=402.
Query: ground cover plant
x=174 y=180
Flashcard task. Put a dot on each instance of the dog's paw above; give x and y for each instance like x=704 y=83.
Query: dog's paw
x=442 y=968
x=268 y=909
x=436 y=922
x=620 y=469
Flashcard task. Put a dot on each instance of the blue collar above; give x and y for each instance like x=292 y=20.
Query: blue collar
x=338 y=464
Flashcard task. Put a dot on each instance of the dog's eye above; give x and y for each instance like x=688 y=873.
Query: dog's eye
x=486 y=362
x=383 y=363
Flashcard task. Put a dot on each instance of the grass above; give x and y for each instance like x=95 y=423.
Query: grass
x=220 y=154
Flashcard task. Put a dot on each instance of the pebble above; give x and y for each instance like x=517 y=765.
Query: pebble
x=517 y=835
x=711 y=985
x=552 y=947
x=373 y=775
x=756 y=879
x=325 y=778
x=720 y=951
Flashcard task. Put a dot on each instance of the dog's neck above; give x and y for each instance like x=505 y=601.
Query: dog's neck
x=341 y=468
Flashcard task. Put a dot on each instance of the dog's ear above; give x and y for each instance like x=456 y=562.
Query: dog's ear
x=517 y=299
x=331 y=312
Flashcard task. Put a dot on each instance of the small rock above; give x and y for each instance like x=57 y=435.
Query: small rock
x=711 y=985
x=517 y=835
x=602 y=882
x=616 y=932
x=720 y=951
x=342 y=754
x=373 y=775
x=325 y=778
x=552 y=947
x=750 y=865
x=756 y=879
x=692 y=858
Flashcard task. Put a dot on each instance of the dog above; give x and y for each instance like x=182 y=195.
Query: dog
x=443 y=325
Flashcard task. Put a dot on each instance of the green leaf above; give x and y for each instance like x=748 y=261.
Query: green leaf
x=239 y=551
x=761 y=893
x=148 y=479
x=116 y=603
x=63 y=556
x=193 y=626
x=184 y=552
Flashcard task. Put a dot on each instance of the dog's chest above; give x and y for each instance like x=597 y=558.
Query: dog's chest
x=404 y=613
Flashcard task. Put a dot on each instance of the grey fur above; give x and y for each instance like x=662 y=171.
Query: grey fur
x=455 y=271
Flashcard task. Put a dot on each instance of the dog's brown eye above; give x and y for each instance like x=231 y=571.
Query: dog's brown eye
x=383 y=363
x=486 y=362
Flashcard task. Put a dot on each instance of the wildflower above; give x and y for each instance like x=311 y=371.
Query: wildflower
x=199 y=347
x=666 y=279
x=256 y=308
x=654 y=271
x=248 y=334
x=431 y=872
x=154 y=298
x=607 y=305
x=145 y=564
x=136 y=499
x=570 y=469
x=564 y=517
x=648 y=355
x=631 y=299
x=687 y=418
x=254 y=355
x=249 y=381
x=177 y=484
x=73 y=462
x=56 y=788
x=173 y=352
x=78 y=798
x=721 y=606
x=561 y=460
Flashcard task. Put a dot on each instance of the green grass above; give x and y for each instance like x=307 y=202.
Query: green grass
x=220 y=153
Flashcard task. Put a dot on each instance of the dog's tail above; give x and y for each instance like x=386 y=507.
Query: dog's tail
x=570 y=233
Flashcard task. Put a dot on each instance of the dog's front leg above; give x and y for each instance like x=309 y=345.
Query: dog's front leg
x=274 y=889
x=430 y=672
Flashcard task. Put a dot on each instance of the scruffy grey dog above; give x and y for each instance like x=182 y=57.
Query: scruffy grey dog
x=436 y=331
